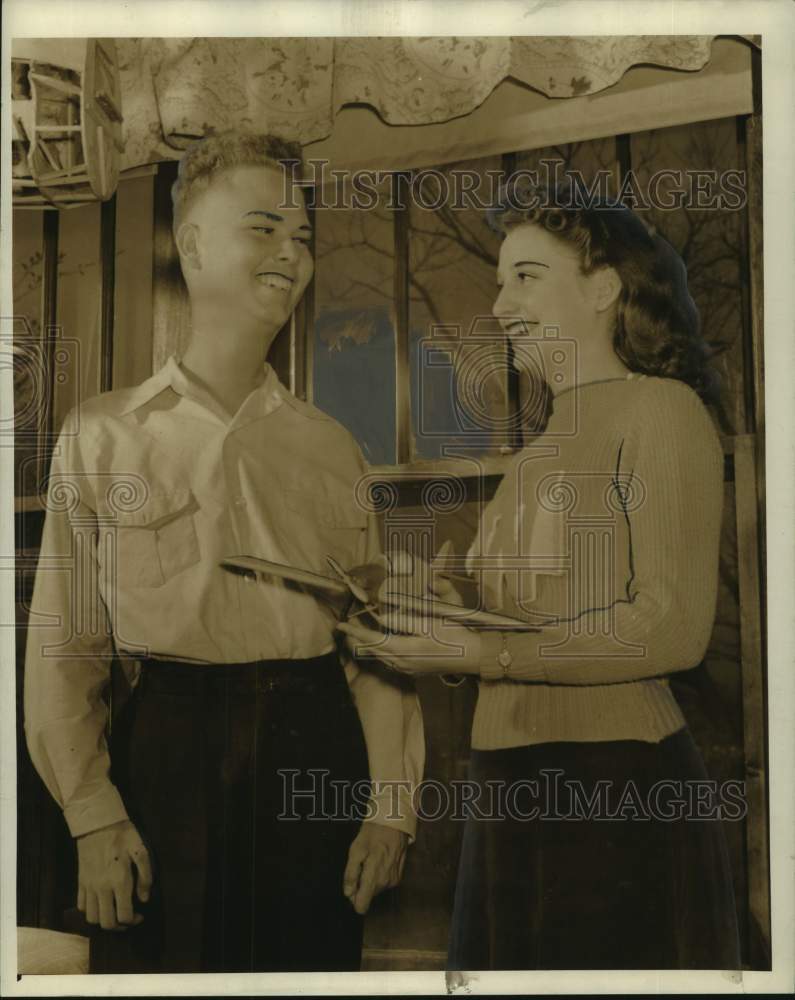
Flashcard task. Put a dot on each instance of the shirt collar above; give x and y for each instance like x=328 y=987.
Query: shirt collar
x=264 y=400
x=147 y=390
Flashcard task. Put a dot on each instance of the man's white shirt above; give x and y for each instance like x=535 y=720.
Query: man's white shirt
x=150 y=488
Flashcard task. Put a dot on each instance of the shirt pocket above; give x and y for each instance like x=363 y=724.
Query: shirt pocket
x=337 y=524
x=158 y=541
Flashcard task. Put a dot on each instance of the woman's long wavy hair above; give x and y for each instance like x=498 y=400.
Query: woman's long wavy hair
x=658 y=329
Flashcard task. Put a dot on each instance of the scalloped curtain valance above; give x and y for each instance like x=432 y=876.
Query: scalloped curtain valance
x=174 y=89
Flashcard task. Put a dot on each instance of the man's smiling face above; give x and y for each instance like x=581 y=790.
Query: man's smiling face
x=253 y=253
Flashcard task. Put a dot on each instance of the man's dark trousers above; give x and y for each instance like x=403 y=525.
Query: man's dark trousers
x=246 y=877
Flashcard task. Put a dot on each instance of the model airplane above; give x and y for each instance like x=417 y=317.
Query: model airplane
x=343 y=584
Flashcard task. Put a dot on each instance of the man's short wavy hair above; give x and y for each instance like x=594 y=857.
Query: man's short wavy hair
x=658 y=329
x=206 y=158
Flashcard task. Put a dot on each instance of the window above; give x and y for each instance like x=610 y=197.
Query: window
x=405 y=353
x=354 y=336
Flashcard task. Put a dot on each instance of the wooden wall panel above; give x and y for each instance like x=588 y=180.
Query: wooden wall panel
x=132 y=318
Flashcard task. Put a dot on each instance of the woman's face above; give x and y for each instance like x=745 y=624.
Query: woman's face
x=543 y=293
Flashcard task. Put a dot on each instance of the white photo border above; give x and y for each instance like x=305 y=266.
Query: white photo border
x=774 y=20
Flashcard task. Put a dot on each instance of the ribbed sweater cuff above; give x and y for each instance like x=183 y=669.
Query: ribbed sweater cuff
x=494 y=666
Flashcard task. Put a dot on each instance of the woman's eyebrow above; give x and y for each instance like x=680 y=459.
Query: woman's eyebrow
x=524 y=263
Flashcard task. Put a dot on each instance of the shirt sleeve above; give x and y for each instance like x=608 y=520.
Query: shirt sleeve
x=69 y=651
x=391 y=718
x=664 y=622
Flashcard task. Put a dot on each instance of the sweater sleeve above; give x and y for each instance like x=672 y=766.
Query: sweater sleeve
x=664 y=622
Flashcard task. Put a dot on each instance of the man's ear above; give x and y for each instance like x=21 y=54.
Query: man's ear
x=187 y=240
x=607 y=288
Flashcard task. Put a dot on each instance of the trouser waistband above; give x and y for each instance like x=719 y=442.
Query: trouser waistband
x=318 y=673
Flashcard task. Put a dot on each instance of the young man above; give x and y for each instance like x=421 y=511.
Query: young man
x=224 y=835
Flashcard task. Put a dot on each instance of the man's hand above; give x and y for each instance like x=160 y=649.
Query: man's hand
x=105 y=881
x=375 y=862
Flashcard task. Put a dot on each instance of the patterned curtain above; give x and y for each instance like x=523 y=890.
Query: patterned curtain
x=174 y=89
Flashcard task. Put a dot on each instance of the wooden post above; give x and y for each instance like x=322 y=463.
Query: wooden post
x=755 y=244
x=303 y=330
x=107 y=261
x=49 y=304
x=750 y=486
x=623 y=156
x=401 y=306
x=754 y=700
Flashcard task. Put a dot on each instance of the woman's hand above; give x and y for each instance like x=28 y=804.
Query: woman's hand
x=433 y=647
x=402 y=573
x=423 y=645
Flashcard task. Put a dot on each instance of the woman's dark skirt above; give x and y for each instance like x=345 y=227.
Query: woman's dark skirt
x=598 y=893
x=205 y=757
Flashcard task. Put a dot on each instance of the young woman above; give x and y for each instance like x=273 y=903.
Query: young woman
x=596 y=839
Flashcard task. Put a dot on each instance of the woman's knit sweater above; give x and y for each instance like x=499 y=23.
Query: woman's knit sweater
x=608 y=526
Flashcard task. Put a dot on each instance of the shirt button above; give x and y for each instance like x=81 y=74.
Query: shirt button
x=240 y=501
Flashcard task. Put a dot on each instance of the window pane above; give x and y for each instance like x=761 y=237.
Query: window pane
x=709 y=240
x=458 y=360
x=588 y=157
x=354 y=332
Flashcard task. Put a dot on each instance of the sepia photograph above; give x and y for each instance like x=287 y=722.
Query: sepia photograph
x=398 y=483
